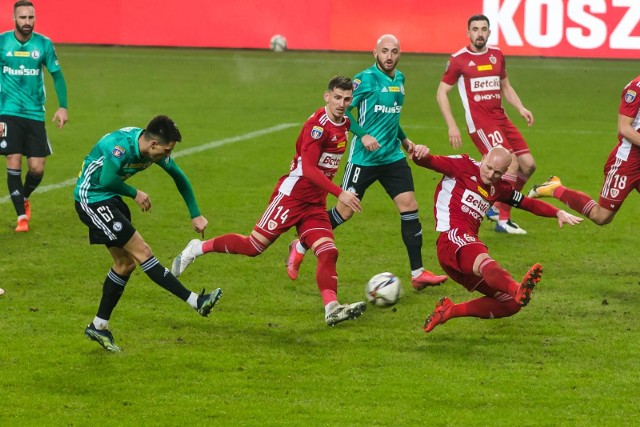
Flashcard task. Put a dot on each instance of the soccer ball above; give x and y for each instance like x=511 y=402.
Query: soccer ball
x=278 y=43
x=383 y=290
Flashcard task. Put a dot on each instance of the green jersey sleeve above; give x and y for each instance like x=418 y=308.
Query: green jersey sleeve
x=183 y=184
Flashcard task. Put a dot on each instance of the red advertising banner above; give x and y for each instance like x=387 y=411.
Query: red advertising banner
x=561 y=28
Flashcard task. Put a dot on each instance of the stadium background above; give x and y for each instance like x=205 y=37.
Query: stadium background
x=556 y=28
x=265 y=356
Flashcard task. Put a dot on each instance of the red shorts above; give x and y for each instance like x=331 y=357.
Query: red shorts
x=285 y=212
x=491 y=133
x=456 y=252
x=621 y=177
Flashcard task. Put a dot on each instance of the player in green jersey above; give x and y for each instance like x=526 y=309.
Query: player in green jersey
x=23 y=54
x=115 y=158
x=376 y=155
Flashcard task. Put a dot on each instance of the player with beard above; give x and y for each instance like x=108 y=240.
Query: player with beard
x=23 y=54
x=480 y=73
x=376 y=155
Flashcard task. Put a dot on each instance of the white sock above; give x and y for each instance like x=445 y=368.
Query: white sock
x=416 y=273
x=503 y=222
x=329 y=307
x=301 y=249
x=197 y=250
x=193 y=300
x=100 y=324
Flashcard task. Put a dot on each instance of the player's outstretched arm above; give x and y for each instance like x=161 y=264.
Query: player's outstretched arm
x=567 y=218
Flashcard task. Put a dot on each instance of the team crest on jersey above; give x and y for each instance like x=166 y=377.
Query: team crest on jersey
x=118 y=151
x=614 y=192
x=35 y=54
x=317 y=132
x=117 y=226
x=630 y=96
x=3 y=144
x=493 y=60
x=271 y=225
x=402 y=89
x=356 y=83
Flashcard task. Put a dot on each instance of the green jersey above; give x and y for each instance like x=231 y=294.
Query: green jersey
x=115 y=158
x=379 y=99
x=22 y=91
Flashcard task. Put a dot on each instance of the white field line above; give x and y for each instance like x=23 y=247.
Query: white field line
x=186 y=152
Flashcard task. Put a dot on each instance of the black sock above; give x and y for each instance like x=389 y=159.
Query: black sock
x=16 y=190
x=335 y=218
x=164 y=278
x=30 y=183
x=111 y=292
x=412 y=237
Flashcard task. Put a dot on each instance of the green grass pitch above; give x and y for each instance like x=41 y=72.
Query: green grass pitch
x=265 y=355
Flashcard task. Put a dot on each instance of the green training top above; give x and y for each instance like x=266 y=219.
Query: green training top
x=379 y=100
x=114 y=159
x=22 y=86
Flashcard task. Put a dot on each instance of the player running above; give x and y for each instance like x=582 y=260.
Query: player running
x=300 y=200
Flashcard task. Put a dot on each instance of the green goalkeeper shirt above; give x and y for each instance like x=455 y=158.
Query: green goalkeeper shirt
x=22 y=90
x=114 y=159
x=379 y=99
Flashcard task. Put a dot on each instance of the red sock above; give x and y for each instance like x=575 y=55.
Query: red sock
x=485 y=308
x=520 y=182
x=234 y=244
x=505 y=209
x=498 y=278
x=326 y=274
x=576 y=200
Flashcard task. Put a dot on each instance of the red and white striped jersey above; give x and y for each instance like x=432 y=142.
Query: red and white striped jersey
x=478 y=76
x=630 y=107
x=319 y=149
x=461 y=198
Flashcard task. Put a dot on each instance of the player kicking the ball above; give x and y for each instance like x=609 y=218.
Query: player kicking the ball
x=299 y=200
x=116 y=157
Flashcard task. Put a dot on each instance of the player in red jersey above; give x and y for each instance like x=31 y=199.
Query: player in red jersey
x=462 y=198
x=299 y=200
x=480 y=73
x=621 y=171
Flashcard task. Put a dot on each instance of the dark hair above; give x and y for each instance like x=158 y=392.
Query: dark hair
x=163 y=129
x=340 y=82
x=478 y=17
x=21 y=3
